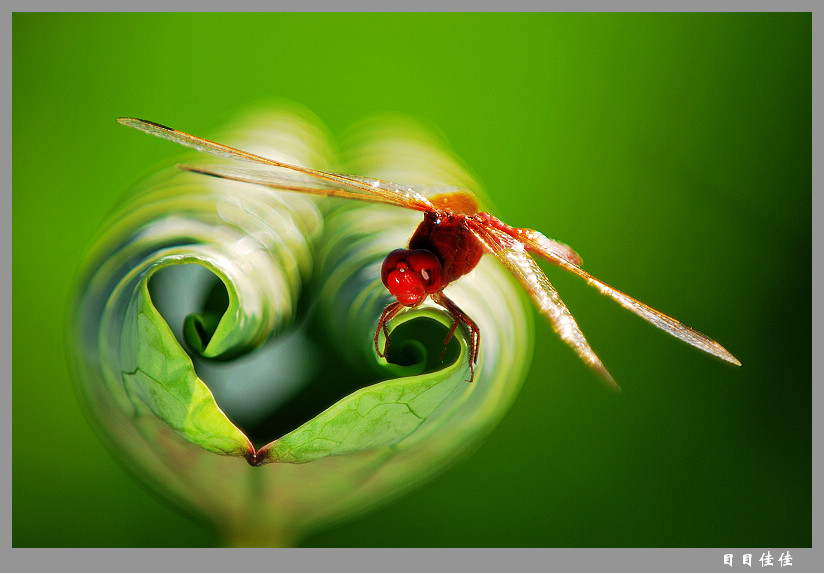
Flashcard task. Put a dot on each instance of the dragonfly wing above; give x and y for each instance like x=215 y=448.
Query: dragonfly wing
x=539 y=244
x=514 y=256
x=534 y=241
x=657 y=318
x=287 y=182
x=430 y=189
x=395 y=194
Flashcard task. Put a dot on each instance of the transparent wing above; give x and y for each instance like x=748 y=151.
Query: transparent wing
x=512 y=253
x=380 y=191
x=534 y=241
x=285 y=182
x=430 y=191
x=659 y=319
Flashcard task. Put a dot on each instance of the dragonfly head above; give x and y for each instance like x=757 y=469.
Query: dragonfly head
x=412 y=275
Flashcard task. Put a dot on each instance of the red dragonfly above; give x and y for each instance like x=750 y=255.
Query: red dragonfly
x=447 y=244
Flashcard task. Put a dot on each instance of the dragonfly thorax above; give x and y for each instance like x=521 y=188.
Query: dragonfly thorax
x=412 y=275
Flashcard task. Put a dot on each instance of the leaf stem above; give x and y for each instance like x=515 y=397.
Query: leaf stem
x=258 y=537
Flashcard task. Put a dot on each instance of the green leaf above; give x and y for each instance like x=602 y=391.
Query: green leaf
x=388 y=413
x=158 y=374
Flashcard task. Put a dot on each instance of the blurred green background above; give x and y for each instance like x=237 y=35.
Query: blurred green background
x=673 y=151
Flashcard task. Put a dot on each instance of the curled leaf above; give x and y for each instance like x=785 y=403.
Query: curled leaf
x=222 y=339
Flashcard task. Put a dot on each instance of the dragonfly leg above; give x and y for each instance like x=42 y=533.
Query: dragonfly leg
x=388 y=314
x=461 y=316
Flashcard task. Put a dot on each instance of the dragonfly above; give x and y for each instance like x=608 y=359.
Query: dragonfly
x=446 y=245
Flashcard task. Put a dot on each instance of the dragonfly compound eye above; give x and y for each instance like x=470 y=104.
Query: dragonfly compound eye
x=412 y=275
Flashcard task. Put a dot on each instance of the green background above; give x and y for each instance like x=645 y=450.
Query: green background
x=672 y=151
